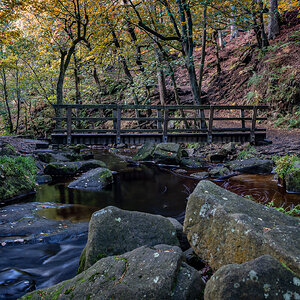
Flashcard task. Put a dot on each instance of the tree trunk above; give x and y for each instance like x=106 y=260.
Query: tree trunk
x=18 y=100
x=217 y=53
x=5 y=96
x=265 y=42
x=220 y=39
x=77 y=79
x=233 y=28
x=273 y=28
x=203 y=52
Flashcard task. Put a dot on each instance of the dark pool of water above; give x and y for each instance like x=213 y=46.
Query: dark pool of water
x=142 y=188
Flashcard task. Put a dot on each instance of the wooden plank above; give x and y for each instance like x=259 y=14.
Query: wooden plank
x=141 y=130
x=69 y=125
x=163 y=107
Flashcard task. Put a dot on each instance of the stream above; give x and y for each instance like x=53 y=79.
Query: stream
x=145 y=188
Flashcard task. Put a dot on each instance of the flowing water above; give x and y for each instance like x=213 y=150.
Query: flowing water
x=143 y=188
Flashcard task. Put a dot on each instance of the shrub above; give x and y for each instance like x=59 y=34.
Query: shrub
x=17 y=176
x=285 y=165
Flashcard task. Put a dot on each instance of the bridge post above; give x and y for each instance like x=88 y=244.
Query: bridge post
x=253 y=126
x=159 y=126
x=69 y=125
x=118 y=133
x=166 y=121
x=210 y=124
x=243 y=118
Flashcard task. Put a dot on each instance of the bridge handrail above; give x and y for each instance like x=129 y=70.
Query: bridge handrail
x=162 y=118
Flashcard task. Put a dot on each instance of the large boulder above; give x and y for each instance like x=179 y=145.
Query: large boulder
x=251 y=166
x=145 y=152
x=144 y=273
x=224 y=228
x=260 y=279
x=167 y=153
x=93 y=180
x=72 y=168
x=113 y=231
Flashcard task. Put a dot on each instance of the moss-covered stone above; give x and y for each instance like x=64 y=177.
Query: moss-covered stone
x=93 y=180
x=17 y=176
x=167 y=153
x=152 y=273
x=224 y=228
x=145 y=152
x=71 y=168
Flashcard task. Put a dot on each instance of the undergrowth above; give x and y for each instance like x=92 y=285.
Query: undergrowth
x=294 y=212
x=285 y=165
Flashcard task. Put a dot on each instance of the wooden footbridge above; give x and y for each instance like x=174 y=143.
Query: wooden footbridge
x=137 y=124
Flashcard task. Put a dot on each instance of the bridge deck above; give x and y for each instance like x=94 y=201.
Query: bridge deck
x=156 y=129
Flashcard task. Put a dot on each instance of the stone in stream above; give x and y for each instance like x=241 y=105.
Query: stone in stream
x=193 y=163
x=113 y=231
x=167 y=153
x=72 y=168
x=261 y=278
x=224 y=228
x=200 y=175
x=93 y=180
x=145 y=153
x=220 y=172
x=156 y=272
x=251 y=166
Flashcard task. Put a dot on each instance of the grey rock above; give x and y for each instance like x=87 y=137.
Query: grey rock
x=260 y=279
x=93 y=180
x=251 y=166
x=145 y=152
x=43 y=179
x=219 y=172
x=144 y=273
x=193 y=163
x=72 y=168
x=113 y=231
x=224 y=228
x=200 y=175
x=167 y=153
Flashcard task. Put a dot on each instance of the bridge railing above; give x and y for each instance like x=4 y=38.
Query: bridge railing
x=156 y=119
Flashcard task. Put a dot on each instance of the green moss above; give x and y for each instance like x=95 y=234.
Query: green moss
x=82 y=261
x=249 y=152
x=101 y=255
x=17 y=176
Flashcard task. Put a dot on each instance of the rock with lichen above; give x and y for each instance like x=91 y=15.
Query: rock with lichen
x=156 y=272
x=167 y=153
x=261 y=278
x=93 y=180
x=113 y=231
x=224 y=228
x=72 y=168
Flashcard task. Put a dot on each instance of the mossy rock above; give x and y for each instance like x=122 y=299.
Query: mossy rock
x=93 y=180
x=72 y=168
x=145 y=152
